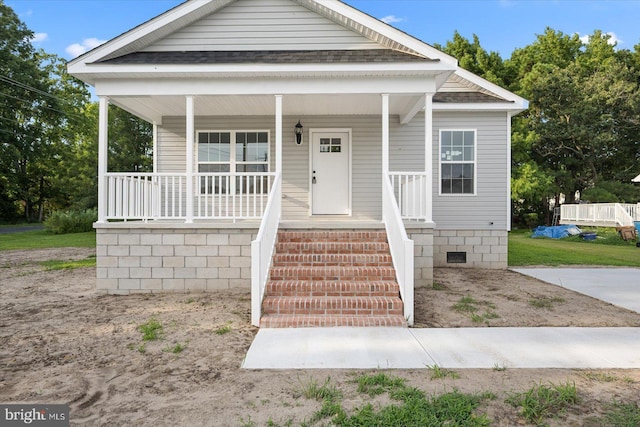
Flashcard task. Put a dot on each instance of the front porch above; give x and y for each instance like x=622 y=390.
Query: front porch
x=197 y=230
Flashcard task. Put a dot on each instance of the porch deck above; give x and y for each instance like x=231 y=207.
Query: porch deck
x=600 y=214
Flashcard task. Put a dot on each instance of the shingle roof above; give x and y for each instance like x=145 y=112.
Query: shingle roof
x=269 y=57
x=466 y=98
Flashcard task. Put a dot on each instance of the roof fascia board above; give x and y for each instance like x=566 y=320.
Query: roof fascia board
x=410 y=85
x=156 y=24
x=384 y=29
x=479 y=106
x=501 y=92
x=153 y=69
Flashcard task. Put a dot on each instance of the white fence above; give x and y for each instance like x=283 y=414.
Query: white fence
x=410 y=191
x=602 y=214
x=400 y=245
x=148 y=196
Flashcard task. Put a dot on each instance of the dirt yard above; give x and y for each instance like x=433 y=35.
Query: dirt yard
x=60 y=342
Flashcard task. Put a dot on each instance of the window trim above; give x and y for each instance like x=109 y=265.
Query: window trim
x=233 y=163
x=232 y=149
x=474 y=162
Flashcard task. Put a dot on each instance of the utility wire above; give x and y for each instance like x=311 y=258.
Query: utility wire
x=42 y=106
x=11 y=81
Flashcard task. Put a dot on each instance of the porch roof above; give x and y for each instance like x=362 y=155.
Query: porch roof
x=269 y=57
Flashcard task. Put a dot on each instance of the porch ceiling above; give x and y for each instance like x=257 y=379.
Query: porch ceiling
x=154 y=108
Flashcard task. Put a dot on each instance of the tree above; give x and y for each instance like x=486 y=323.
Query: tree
x=25 y=113
x=472 y=57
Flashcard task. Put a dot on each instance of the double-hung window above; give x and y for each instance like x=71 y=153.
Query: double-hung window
x=457 y=162
x=233 y=151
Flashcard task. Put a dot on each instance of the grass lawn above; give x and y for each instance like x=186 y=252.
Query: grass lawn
x=607 y=250
x=42 y=239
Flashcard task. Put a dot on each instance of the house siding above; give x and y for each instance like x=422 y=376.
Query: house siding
x=366 y=156
x=487 y=209
x=263 y=25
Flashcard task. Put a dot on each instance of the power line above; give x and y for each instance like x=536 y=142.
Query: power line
x=11 y=81
x=42 y=106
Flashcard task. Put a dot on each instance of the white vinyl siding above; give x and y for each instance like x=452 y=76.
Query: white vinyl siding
x=488 y=209
x=263 y=25
x=366 y=156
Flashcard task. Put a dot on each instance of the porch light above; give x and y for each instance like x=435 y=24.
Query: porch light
x=298 y=131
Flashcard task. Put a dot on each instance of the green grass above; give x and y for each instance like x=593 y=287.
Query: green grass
x=610 y=251
x=623 y=415
x=544 y=401
x=41 y=239
x=151 y=330
x=69 y=264
x=410 y=407
x=546 y=302
x=468 y=305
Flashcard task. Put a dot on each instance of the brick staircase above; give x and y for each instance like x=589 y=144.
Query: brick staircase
x=332 y=278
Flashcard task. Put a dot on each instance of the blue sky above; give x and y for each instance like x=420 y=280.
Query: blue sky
x=70 y=27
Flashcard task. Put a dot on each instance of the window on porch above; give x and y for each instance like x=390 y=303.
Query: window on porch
x=220 y=152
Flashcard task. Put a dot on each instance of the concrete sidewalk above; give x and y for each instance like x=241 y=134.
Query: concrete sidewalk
x=408 y=348
x=618 y=286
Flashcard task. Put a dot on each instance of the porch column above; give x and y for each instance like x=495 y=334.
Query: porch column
x=278 y=162
x=190 y=136
x=155 y=147
x=103 y=141
x=385 y=134
x=428 y=155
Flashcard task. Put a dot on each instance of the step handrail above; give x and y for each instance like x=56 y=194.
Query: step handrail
x=400 y=245
x=262 y=248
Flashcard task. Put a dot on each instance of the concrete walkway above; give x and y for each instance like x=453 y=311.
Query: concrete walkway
x=618 y=286
x=400 y=348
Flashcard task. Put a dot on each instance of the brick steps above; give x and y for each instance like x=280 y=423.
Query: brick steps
x=366 y=305
x=315 y=247
x=332 y=278
x=311 y=321
x=332 y=260
x=332 y=273
x=329 y=288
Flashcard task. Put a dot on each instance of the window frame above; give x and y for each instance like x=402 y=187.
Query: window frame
x=233 y=163
x=474 y=162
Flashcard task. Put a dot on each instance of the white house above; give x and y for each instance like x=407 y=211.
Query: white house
x=368 y=156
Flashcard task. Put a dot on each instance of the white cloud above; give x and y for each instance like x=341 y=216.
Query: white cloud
x=613 y=38
x=39 y=37
x=390 y=19
x=78 y=49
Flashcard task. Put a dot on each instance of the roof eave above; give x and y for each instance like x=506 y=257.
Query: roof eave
x=90 y=73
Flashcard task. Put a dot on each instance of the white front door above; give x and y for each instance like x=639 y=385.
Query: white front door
x=330 y=173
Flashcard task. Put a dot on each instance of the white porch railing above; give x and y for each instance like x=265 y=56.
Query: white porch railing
x=262 y=249
x=410 y=190
x=400 y=245
x=149 y=196
x=600 y=214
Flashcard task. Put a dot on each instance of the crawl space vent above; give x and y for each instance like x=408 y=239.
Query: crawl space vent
x=456 y=257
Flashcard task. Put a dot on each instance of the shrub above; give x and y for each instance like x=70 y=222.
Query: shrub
x=63 y=222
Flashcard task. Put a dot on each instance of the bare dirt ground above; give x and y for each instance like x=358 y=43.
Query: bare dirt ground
x=61 y=342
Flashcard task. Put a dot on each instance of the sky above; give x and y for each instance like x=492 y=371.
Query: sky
x=68 y=28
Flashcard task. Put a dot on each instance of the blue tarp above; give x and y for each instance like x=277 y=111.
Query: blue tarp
x=556 y=232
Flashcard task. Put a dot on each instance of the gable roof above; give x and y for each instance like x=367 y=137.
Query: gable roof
x=191 y=11
x=139 y=47
x=268 y=57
